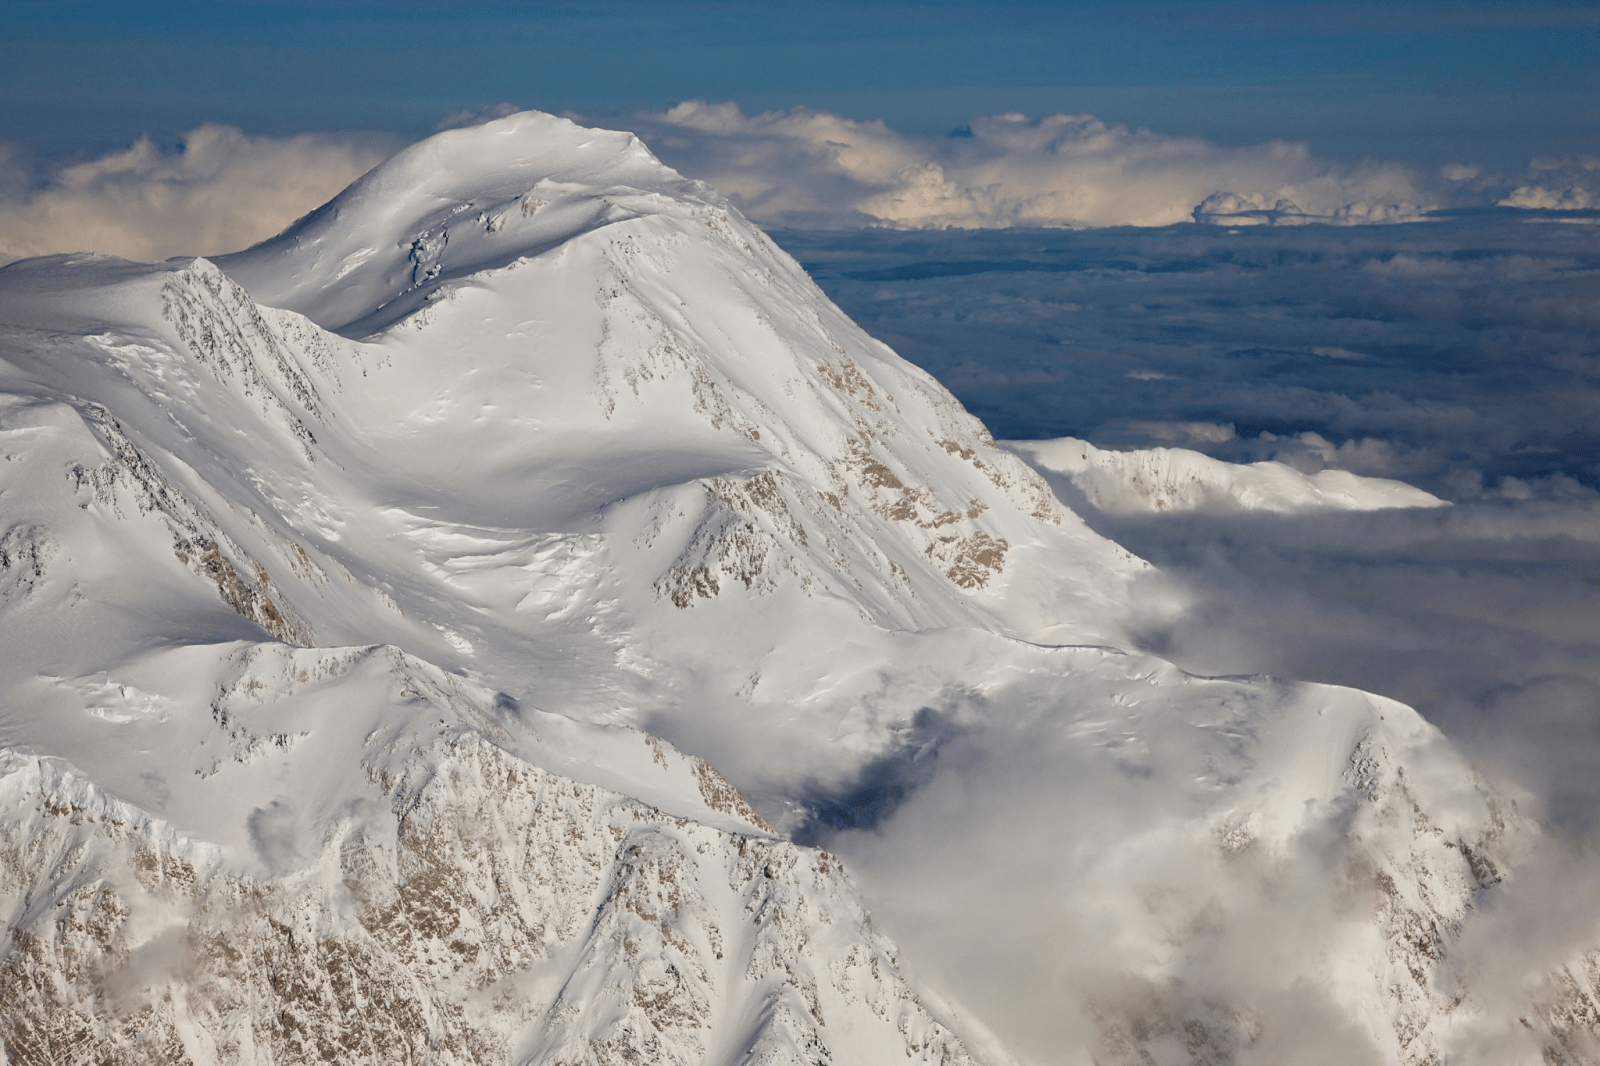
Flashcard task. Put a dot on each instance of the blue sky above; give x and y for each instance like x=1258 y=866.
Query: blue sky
x=1415 y=80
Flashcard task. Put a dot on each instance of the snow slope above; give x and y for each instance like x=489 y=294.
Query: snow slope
x=339 y=577
x=1177 y=479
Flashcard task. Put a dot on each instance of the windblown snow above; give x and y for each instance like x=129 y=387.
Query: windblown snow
x=363 y=596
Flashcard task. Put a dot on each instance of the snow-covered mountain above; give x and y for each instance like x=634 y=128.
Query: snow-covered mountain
x=361 y=593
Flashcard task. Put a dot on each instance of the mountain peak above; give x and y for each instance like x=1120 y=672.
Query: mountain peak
x=319 y=646
x=462 y=201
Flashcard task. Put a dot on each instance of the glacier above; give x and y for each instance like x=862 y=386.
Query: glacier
x=444 y=632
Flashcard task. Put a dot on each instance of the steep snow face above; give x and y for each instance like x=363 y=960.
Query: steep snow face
x=642 y=436
x=295 y=546
x=1176 y=479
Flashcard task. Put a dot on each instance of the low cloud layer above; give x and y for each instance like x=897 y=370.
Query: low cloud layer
x=1458 y=355
x=221 y=191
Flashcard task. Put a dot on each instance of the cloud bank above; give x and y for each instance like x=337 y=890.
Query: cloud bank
x=816 y=169
x=222 y=190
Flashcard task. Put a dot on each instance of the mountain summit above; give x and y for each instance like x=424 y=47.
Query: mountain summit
x=377 y=601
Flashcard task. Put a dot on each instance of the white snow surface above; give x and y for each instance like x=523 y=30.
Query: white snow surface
x=347 y=582
x=1147 y=480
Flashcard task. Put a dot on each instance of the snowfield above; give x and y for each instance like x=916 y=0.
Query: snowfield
x=438 y=633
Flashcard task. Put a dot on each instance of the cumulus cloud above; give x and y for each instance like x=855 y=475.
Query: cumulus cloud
x=1558 y=185
x=1094 y=922
x=222 y=190
x=1570 y=198
x=812 y=168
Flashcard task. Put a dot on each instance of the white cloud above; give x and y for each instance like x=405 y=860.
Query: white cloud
x=1558 y=185
x=804 y=167
x=222 y=191
x=1571 y=198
